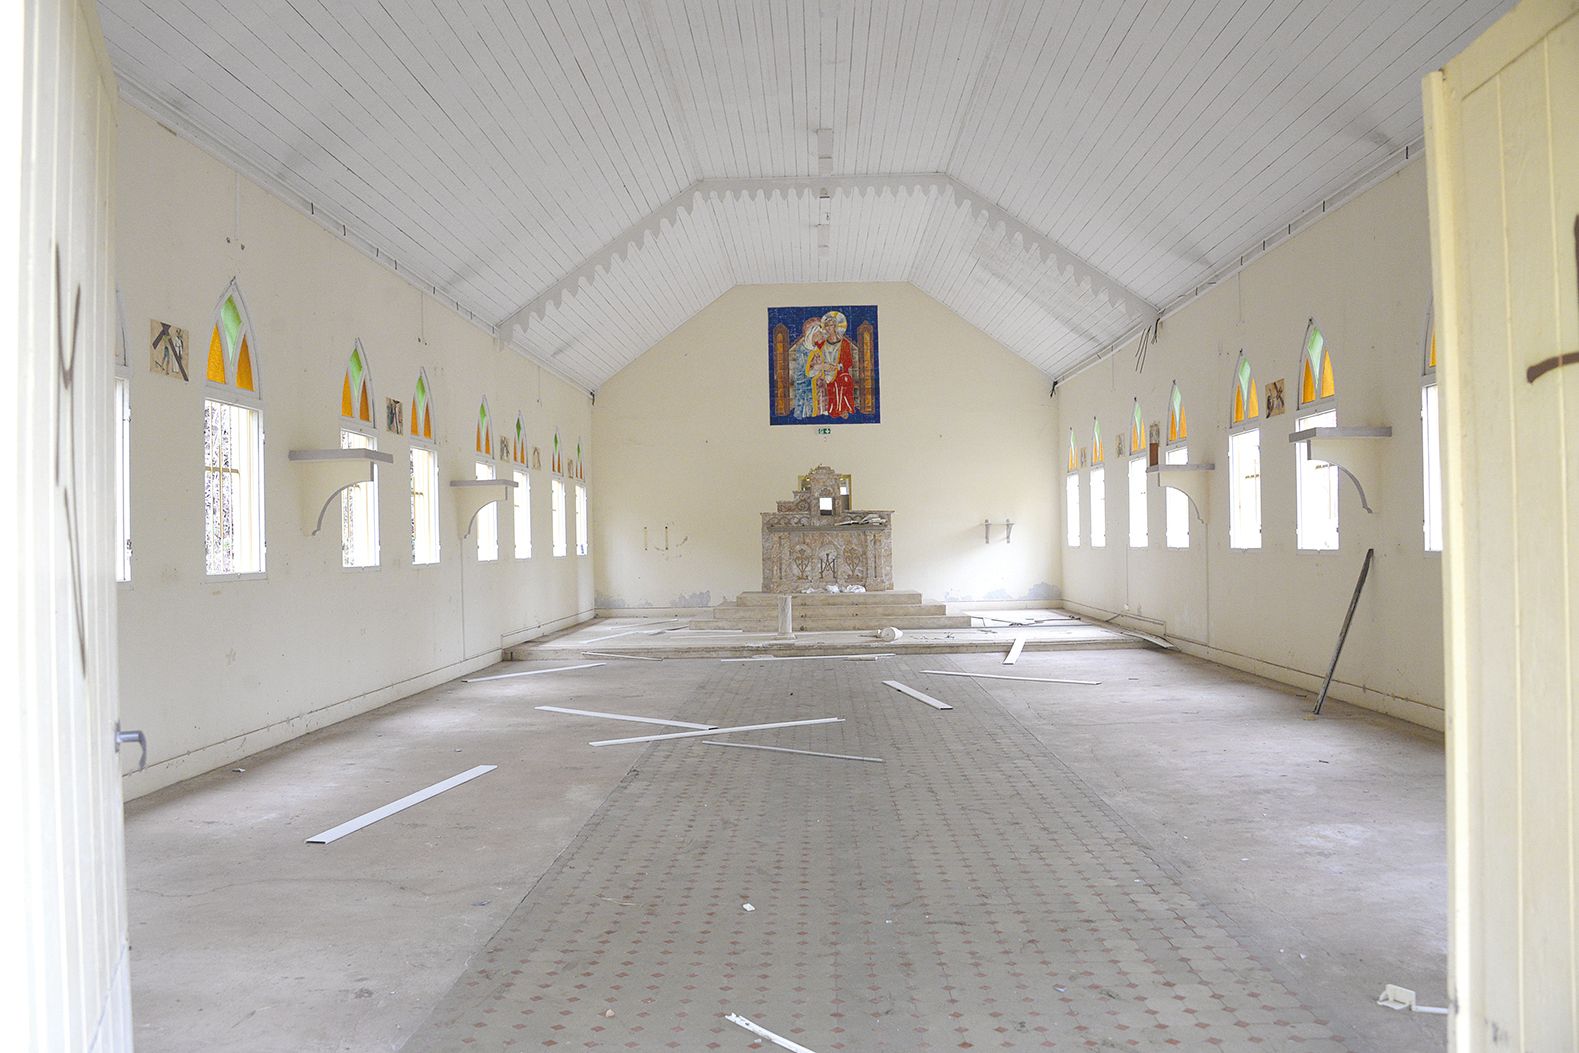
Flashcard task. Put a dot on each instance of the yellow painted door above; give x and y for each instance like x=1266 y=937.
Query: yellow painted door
x=1502 y=126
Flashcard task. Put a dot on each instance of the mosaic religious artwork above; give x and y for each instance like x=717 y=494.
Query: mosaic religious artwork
x=822 y=365
x=815 y=542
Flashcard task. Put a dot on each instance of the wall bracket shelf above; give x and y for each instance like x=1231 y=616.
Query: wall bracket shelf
x=1194 y=481
x=473 y=495
x=322 y=474
x=1352 y=451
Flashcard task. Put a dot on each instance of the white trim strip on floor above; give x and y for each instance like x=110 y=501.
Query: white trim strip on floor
x=623 y=716
x=786 y=749
x=401 y=805
x=611 y=654
x=1014 y=652
x=917 y=695
x=1000 y=676
x=720 y=731
x=758 y=1029
x=533 y=672
x=805 y=657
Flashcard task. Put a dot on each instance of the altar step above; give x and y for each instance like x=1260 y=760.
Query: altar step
x=834 y=612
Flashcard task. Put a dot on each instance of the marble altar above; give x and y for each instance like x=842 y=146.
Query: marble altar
x=815 y=540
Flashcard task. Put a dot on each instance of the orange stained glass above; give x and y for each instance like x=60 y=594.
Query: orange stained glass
x=1137 y=436
x=1433 y=347
x=1178 y=427
x=216 y=359
x=1307 y=384
x=345 y=396
x=1073 y=460
x=244 y=368
x=427 y=423
x=1096 y=442
x=1328 y=388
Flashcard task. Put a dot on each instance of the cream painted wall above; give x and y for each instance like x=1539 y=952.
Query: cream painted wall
x=214 y=670
x=1364 y=273
x=686 y=447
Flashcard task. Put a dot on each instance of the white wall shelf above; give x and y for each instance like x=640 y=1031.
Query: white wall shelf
x=473 y=495
x=1353 y=451
x=322 y=474
x=1194 y=481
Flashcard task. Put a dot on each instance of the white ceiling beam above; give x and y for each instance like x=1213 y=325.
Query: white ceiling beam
x=1071 y=267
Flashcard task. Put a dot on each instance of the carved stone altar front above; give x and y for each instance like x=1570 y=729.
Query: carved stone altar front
x=815 y=540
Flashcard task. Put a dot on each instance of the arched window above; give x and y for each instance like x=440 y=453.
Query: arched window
x=521 y=499
x=358 y=503
x=1098 y=487
x=421 y=411
x=557 y=465
x=1244 y=460
x=581 y=468
x=1315 y=368
x=1137 y=432
x=484 y=429
x=1247 y=403
x=1176 y=527
x=1074 y=456
x=1316 y=482
x=232 y=444
x=487 y=519
x=1431 y=437
x=424 y=477
x=356 y=389
x=1139 y=536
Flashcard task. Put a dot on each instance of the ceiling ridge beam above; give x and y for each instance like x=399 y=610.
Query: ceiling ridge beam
x=1071 y=267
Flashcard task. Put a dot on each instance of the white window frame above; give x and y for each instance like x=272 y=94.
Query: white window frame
x=1430 y=442
x=1097 y=483
x=249 y=515
x=581 y=519
x=1244 y=489
x=123 y=481
x=1176 y=527
x=487 y=521
x=521 y=513
x=424 y=495
x=359 y=506
x=1139 y=524
x=1316 y=525
x=1072 y=509
x=556 y=491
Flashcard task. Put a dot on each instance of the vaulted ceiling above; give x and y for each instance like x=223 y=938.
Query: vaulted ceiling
x=585 y=175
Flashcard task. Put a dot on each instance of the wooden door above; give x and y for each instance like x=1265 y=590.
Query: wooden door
x=1502 y=125
x=63 y=950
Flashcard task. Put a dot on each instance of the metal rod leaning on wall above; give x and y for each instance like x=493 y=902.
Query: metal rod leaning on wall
x=1343 y=634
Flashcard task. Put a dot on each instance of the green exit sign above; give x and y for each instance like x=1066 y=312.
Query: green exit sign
x=824 y=431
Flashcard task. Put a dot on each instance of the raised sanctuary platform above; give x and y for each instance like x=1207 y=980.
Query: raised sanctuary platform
x=834 y=612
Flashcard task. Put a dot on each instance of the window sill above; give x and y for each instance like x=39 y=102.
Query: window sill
x=220 y=579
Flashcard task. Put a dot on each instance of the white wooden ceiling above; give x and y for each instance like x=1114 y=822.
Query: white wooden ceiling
x=585 y=175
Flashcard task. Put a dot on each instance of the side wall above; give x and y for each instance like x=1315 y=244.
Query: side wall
x=689 y=459
x=1364 y=274
x=214 y=670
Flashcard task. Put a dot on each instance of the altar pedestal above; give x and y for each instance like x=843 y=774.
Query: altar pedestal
x=814 y=540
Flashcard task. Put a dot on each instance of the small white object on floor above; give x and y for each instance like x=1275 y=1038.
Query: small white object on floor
x=1395 y=997
x=1014 y=652
x=917 y=695
x=759 y=1030
x=747 y=907
x=1005 y=676
x=238 y=771
x=534 y=672
x=806 y=657
x=786 y=749
x=889 y=634
x=612 y=654
x=368 y=818
x=719 y=731
x=627 y=716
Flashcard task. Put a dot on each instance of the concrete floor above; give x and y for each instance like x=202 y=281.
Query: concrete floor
x=1173 y=855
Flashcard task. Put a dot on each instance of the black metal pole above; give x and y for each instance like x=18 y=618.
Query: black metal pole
x=1343 y=634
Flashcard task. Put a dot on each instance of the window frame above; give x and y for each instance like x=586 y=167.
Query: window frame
x=430 y=451
x=486 y=521
x=1247 y=404
x=521 y=512
x=1140 y=506
x=556 y=502
x=1072 y=509
x=257 y=498
x=369 y=497
x=1303 y=474
x=1096 y=504
x=1433 y=512
x=583 y=535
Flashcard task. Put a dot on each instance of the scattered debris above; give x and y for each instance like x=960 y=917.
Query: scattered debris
x=626 y=716
x=805 y=657
x=917 y=695
x=719 y=731
x=786 y=749
x=1395 y=997
x=369 y=818
x=748 y=908
x=888 y=634
x=1014 y=652
x=238 y=771
x=608 y=1014
x=1003 y=676
x=759 y=1030
x=611 y=654
x=534 y=672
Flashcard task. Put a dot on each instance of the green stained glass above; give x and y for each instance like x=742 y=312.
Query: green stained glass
x=1244 y=375
x=482 y=416
x=1176 y=398
x=1314 y=342
x=230 y=321
x=1096 y=432
x=356 y=371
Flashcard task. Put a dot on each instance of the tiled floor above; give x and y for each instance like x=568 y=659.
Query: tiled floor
x=969 y=893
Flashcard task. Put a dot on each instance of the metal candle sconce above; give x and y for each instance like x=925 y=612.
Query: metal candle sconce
x=986 y=530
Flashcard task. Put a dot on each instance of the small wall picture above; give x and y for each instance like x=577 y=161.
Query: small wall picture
x=1153 y=433
x=1274 y=397
x=1082 y=456
x=537 y=458
x=395 y=416
x=167 y=349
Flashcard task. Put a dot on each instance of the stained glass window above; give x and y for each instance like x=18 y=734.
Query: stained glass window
x=1137 y=432
x=232 y=445
x=557 y=464
x=1315 y=367
x=356 y=389
x=421 y=410
x=1074 y=456
x=1178 y=427
x=518 y=448
x=230 y=346
x=1247 y=402
x=1096 y=442
x=484 y=429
